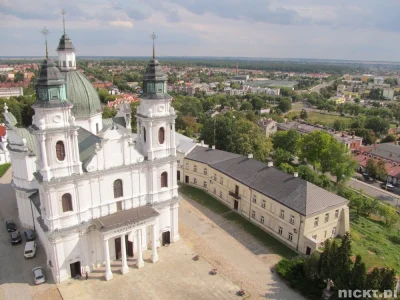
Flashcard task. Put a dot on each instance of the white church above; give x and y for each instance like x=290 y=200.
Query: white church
x=93 y=190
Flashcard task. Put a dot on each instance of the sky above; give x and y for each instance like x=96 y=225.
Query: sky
x=319 y=29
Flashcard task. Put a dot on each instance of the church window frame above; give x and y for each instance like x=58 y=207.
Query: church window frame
x=161 y=135
x=118 y=188
x=60 y=151
x=164 y=180
x=66 y=202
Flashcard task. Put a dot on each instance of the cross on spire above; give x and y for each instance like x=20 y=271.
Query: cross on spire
x=45 y=32
x=63 y=12
x=153 y=37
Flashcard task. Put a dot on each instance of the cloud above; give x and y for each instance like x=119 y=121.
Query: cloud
x=122 y=24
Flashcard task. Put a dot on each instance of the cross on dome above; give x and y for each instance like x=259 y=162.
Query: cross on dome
x=153 y=37
x=45 y=32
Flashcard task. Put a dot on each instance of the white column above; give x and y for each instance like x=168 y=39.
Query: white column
x=43 y=150
x=108 y=275
x=124 y=268
x=154 y=256
x=140 y=263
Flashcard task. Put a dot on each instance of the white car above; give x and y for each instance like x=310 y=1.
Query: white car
x=38 y=275
x=30 y=249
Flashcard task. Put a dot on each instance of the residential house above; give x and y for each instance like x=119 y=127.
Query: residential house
x=268 y=126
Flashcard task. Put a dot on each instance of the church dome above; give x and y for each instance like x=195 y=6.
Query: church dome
x=65 y=43
x=154 y=71
x=82 y=94
x=49 y=74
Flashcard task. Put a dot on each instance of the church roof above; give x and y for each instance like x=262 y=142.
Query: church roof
x=87 y=144
x=65 y=43
x=30 y=139
x=82 y=94
x=49 y=74
x=154 y=71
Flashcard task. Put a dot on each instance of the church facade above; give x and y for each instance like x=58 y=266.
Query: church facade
x=93 y=190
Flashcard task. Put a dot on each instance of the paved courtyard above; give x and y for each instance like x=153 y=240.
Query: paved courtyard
x=16 y=281
x=175 y=276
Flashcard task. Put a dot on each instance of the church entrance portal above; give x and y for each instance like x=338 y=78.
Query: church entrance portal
x=128 y=247
x=166 y=238
x=75 y=269
x=178 y=175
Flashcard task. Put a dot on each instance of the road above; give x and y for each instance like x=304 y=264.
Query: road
x=16 y=280
x=374 y=191
x=320 y=86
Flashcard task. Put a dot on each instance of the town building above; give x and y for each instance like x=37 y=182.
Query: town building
x=11 y=92
x=296 y=212
x=351 y=141
x=379 y=80
x=268 y=126
x=93 y=190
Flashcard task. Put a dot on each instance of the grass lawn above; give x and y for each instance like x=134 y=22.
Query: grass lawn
x=3 y=169
x=377 y=245
x=298 y=106
x=216 y=206
x=318 y=117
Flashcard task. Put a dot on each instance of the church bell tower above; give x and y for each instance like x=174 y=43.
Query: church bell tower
x=155 y=115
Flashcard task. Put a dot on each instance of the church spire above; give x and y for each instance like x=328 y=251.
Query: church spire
x=153 y=37
x=63 y=12
x=45 y=32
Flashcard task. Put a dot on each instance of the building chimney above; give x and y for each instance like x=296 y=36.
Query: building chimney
x=270 y=164
x=250 y=156
x=296 y=174
x=213 y=147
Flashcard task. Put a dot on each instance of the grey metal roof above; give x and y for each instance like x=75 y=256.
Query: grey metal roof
x=154 y=72
x=49 y=74
x=125 y=217
x=10 y=118
x=120 y=121
x=388 y=151
x=210 y=156
x=107 y=122
x=87 y=144
x=30 y=139
x=65 y=43
x=294 y=193
x=82 y=94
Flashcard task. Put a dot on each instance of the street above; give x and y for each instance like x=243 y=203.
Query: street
x=374 y=191
x=16 y=279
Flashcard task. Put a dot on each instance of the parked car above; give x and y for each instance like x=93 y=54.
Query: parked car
x=387 y=186
x=367 y=177
x=30 y=249
x=38 y=275
x=15 y=237
x=30 y=235
x=11 y=226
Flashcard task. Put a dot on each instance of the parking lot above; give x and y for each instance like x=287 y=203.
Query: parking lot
x=16 y=280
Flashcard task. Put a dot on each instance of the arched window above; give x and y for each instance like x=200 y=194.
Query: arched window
x=118 y=190
x=66 y=202
x=60 y=150
x=144 y=134
x=164 y=179
x=161 y=135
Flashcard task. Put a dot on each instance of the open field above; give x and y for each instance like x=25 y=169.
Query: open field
x=377 y=245
x=321 y=118
x=214 y=205
x=298 y=106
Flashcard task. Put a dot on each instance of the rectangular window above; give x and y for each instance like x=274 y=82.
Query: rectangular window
x=263 y=204
x=253 y=214
x=195 y=168
x=254 y=199
x=262 y=220
x=326 y=218
x=334 y=231
x=187 y=166
x=290 y=237
x=220 y=194
x=314 y=237
x=280 y=230
x=291 y=219
x=282 y=214
x=195 y=180
x=215 y=177
x=179 y=161
x=336 y=214
x=119 y=205
x=221 y=180
x=205 y=184
x=205 y=171
x=316 y=220
x=214 y=190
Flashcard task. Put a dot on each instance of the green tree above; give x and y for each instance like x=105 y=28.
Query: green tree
x=303 y=114
x=381 y=170
x=287 y=140
x=103 y=94
x=311 y=267
x=246 y=106
x=388 y=139
x=340 y=125
x=285 y=104
x=377 y=124
x=370 y=168
x=358 y=275
x=389 y=213
x=373 y=280
x=109 y=112
x=388 y=279
x=282 y=156
x=287 y=168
